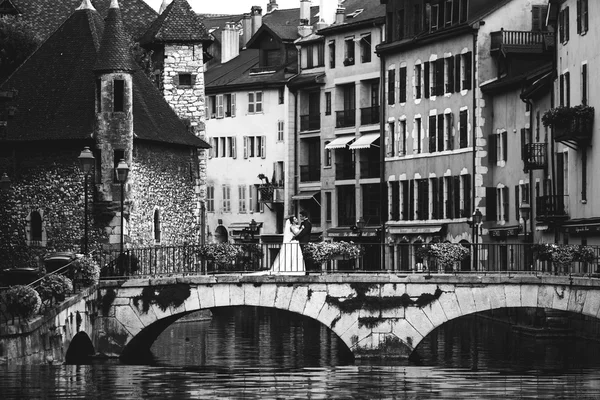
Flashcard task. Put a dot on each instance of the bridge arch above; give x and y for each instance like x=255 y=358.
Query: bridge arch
x=376 y=315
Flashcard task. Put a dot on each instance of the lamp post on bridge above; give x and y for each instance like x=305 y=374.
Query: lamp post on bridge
x=477 y=217
x=525 y=211
x=86 y=162
x=122 y=172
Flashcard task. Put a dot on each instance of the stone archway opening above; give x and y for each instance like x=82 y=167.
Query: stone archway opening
x=81 y=349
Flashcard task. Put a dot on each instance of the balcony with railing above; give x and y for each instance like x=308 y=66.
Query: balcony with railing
x=521 y=41
x=344 y=170
x=310 y=122
x=552 y=207
x=310 y=173
x=270 y=193
x=535 y=155
x=345 y=118
x=369 y=115
x=370 y=169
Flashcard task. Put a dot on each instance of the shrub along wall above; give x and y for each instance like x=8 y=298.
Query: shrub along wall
x=163 y=179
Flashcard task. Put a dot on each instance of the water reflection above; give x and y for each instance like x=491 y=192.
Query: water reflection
x=261 y=354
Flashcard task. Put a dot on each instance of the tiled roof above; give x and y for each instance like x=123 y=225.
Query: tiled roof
x=224 y=74
x=114 y=52
x=178 y=23
x=284 y=23
x=56 y=91
x=371 y=9
x=47 y=15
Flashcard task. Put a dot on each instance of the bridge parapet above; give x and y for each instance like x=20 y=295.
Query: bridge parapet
x=383 y=315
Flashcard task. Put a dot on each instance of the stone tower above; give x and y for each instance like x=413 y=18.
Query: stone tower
x=177 y=39
x=114 y=114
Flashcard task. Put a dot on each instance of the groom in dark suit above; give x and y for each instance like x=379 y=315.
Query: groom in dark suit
x=303 y=236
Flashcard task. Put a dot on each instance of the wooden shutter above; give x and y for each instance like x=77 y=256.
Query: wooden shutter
x=450 y=198
x=524 y=144
x=450 y=74
x=263 y=147
x=388 y=139
x=405 y=200
x=391 y=86
x=220 y=112
x=457 y=194
x=492 y=149
x=578 y=16
x=457 y=73
x=463 y=129
x=584 y=78
x=211 y=151
x=567 y=24
x=506 y=203
x=411 y=200
x=402 y=85
x=432 y=131
x=233 y=104
x=245 y=146
x=561 y=90
x=517 y=202
x=468 y=69
x=440 y=132
x=440 y=198
x=434 y=199
x=568 y=89
x=450 y=128
x=467 y=195
x=233 y=147
x=490 y=204
x=439 y=77
x=505 y=146
x=426 y=80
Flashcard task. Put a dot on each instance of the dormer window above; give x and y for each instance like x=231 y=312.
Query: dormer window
x=355 y=13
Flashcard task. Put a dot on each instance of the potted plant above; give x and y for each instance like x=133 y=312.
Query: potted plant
x=576 y=121
x=55 y=288
x=22 y=301
x=223 y=255
x=322 y=252
x=446 y=255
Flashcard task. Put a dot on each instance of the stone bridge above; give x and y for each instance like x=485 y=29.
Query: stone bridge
x=374 y=315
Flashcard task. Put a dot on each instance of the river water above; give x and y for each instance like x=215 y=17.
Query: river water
x=250 y=353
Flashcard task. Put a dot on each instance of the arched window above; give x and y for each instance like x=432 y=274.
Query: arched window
x=156 y=226
x=35 y=227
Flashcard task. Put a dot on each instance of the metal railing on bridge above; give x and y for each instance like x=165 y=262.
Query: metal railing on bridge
x=400 y=258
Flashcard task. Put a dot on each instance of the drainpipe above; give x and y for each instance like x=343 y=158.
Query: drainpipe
x=295 y=148
x=475 y=27
x=382 y=182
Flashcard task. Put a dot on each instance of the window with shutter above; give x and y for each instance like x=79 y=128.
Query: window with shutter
x=220 y=112
x=418 y=80
x=259 y=105
x=418 y=127
x=405 y=200
x=490 y=204
x=440 y=198
x=402 y=135
x=439 y=78
x=432 y=132
x=579 y=16
x=263 y=147
x=391 y=86
x=466 y=84
x=449 y=131
x=566 y=24
x=567 y=89
x=246 y=146
x=402 y=85
x=411 y=200
x=517 y=203
x=232 y=100
x=505 y=203
x=435 y=206
x=449 y=197
x=389 y=139
x=426 y=79
x=233 y=147
x=584 y=84
x=464 y=140
x=492 y=150
x=538 y=18
x=504 y=146
x=466 y=195
x=394 y=208
x=457 y=197
x=440 y=132
x=457 y=72
x=449 y=74
x=561 y=90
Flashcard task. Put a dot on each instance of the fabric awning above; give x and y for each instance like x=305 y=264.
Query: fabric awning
x=365 y=141
x=414 y=230
x=340 y=142
x=307 y=195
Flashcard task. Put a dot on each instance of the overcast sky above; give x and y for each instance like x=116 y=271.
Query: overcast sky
x=232 y=6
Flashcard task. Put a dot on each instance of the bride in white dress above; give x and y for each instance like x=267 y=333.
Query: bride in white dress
x=289 y=261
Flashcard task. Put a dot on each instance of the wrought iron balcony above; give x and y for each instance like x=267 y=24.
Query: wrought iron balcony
x=345 y=118
x=369 y=115
x=535 y=156
x=345 y=170
x=310 y=122
x=521 y=41
x=370 y=169
x=552 y=207
x=576 y=133
x=310 y=173
x=270 y=193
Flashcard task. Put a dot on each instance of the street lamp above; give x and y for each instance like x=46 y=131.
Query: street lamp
x=122 y=171
x=360 y=225
x=86 y=162
x=477 y=218
x=4 y=183
x=525 y=210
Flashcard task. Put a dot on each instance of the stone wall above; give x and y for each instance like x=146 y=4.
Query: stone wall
x=162 y=179
x=188 y=102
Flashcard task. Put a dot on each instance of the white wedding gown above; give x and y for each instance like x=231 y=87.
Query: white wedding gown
x=289 y=260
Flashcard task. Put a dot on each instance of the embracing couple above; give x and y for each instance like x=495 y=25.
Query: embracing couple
x=296 y=233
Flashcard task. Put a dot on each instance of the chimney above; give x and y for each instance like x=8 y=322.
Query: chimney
x=304 y=28
x=256 y=12
x=230 y=42
x=272 y=6
x=340 y=15
x=247 y=27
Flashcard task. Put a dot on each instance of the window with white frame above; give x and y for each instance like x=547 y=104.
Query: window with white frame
x=418 y=80
x=582 y=17
x=210 y=198
x=223 y=147
x=255 y=100
x=502 y=146
x=502 y=203
x=280 y=131
x=448 y=136
x=226 y=199
x=563 y=25
x=242 y=198
x=365 y=48
x=402 y=137
x=449 y=75
x=349 y=51
x=466 y=66
x=255 y=146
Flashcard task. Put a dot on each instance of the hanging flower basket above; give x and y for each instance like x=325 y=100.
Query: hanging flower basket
x=445 y=254
x=322 y=252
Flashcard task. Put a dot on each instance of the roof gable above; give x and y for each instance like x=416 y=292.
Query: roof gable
x=178 y=23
